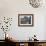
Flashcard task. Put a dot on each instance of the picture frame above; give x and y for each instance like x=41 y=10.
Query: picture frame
x=25 y=19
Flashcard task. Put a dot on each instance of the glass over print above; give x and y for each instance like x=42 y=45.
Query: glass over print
x=25 y=19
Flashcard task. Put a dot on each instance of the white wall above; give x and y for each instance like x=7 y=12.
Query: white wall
x=11 y=8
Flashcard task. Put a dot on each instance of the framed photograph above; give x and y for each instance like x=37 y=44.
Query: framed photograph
x=25 y=19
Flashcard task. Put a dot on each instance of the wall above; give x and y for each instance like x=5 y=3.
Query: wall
x=11 y=8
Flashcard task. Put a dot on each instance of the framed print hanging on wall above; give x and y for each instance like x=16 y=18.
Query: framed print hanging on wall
x=25 y=19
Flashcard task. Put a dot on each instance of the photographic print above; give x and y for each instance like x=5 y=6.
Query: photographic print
x=25 y=19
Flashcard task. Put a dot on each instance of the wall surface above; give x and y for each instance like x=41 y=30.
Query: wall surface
x=11 y=8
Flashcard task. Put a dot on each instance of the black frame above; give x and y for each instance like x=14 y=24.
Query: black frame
x=31 y=17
